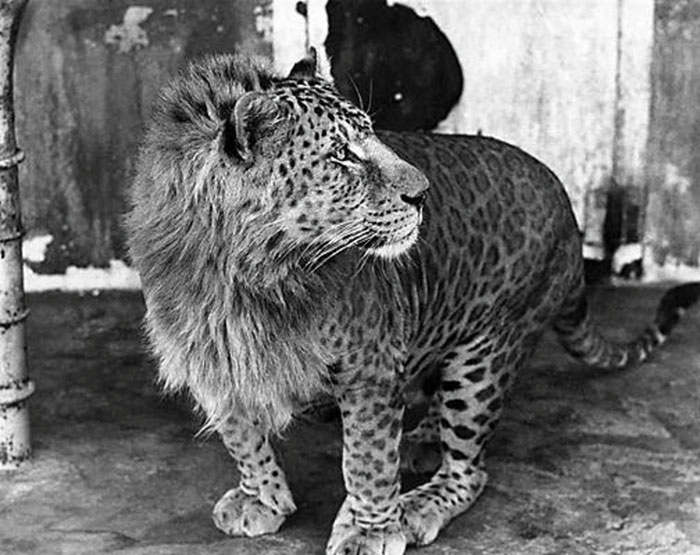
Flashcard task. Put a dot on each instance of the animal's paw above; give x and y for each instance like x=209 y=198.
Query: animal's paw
x=421 y=522
x=349 y=539
x=419 y=457
x=430 y=507
x=240 y=514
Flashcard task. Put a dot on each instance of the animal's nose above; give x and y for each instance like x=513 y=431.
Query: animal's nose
x=415 y=200
x=413 y=184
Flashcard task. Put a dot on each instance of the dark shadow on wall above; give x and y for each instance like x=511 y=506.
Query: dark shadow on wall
x=400 y=67
x=621 y=226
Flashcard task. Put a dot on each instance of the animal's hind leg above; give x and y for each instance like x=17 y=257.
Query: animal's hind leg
x=262 y=499
x=474 y=382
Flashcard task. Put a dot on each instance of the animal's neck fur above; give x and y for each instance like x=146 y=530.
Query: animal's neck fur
x=254 y=347
x=232 y=314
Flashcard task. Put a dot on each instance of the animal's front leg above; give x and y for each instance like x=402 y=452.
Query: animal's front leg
x=262 y=499
x=368 y=522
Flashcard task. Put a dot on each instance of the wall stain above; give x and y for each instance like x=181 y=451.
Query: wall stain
x=397 y=65
x=129 y=34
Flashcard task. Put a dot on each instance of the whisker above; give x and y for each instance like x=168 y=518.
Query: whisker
x=335 y=228
x=331 y=235
x=371 y=92
x=309 y=247
x=363 y=261
x=350 y=237
x=318 y=249
x=349 y=241
x=357 y=92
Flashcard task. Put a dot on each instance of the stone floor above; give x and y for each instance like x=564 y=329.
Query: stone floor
x=582 y=463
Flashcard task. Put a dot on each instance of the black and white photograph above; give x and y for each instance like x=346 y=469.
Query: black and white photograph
x=350 y=277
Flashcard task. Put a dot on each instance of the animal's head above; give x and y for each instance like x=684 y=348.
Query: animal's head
x=281 y=167
x=335 y=183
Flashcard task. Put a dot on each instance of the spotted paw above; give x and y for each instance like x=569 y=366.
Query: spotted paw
x=240 y=514
x=349 y=539
x=420 y=457
x=430 y=507
x=421 y=523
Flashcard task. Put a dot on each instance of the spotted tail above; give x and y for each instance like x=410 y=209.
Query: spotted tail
x=581 y=339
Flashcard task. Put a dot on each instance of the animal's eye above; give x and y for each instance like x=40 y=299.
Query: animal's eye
x=344 y=154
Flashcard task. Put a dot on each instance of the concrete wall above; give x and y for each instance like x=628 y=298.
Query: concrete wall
x=87 y=72
x=673 y=213
x=579 y=83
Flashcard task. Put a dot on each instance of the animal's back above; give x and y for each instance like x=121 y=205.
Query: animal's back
x=499 y=240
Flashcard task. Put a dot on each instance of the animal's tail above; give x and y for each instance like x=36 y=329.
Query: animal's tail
x=580 y=338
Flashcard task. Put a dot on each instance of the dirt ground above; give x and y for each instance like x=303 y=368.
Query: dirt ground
x=581 y=464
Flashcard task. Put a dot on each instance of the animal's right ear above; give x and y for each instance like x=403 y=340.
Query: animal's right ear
x=255 y=118
x=314 y=65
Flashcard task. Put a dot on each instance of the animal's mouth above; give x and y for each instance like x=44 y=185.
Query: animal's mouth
x=420 y=214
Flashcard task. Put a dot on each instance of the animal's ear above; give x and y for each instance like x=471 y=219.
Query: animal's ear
x=254 y=119
x=315 y=65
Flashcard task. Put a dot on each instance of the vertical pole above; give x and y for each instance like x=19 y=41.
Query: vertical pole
x=15 y=385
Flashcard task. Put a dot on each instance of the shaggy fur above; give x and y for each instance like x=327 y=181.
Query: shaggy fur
x=229 y=308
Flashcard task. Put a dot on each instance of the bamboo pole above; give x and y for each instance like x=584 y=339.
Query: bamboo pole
x=15 y=385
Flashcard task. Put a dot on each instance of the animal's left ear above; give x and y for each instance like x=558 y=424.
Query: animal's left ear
x=315 y=65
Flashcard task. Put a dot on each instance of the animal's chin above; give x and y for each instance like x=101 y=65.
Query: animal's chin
x=394 y=246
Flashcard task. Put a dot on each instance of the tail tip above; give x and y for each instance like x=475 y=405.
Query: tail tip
x=673 y=306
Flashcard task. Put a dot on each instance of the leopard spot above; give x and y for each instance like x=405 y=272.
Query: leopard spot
x=456 y=404
x=495 y=405
x=450 y=385
x=485 y=394
x=458 y=455
x=481 y=419
x=476 y=376
x=462 y=432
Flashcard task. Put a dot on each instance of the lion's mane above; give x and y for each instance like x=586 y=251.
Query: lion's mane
x=230 y=313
